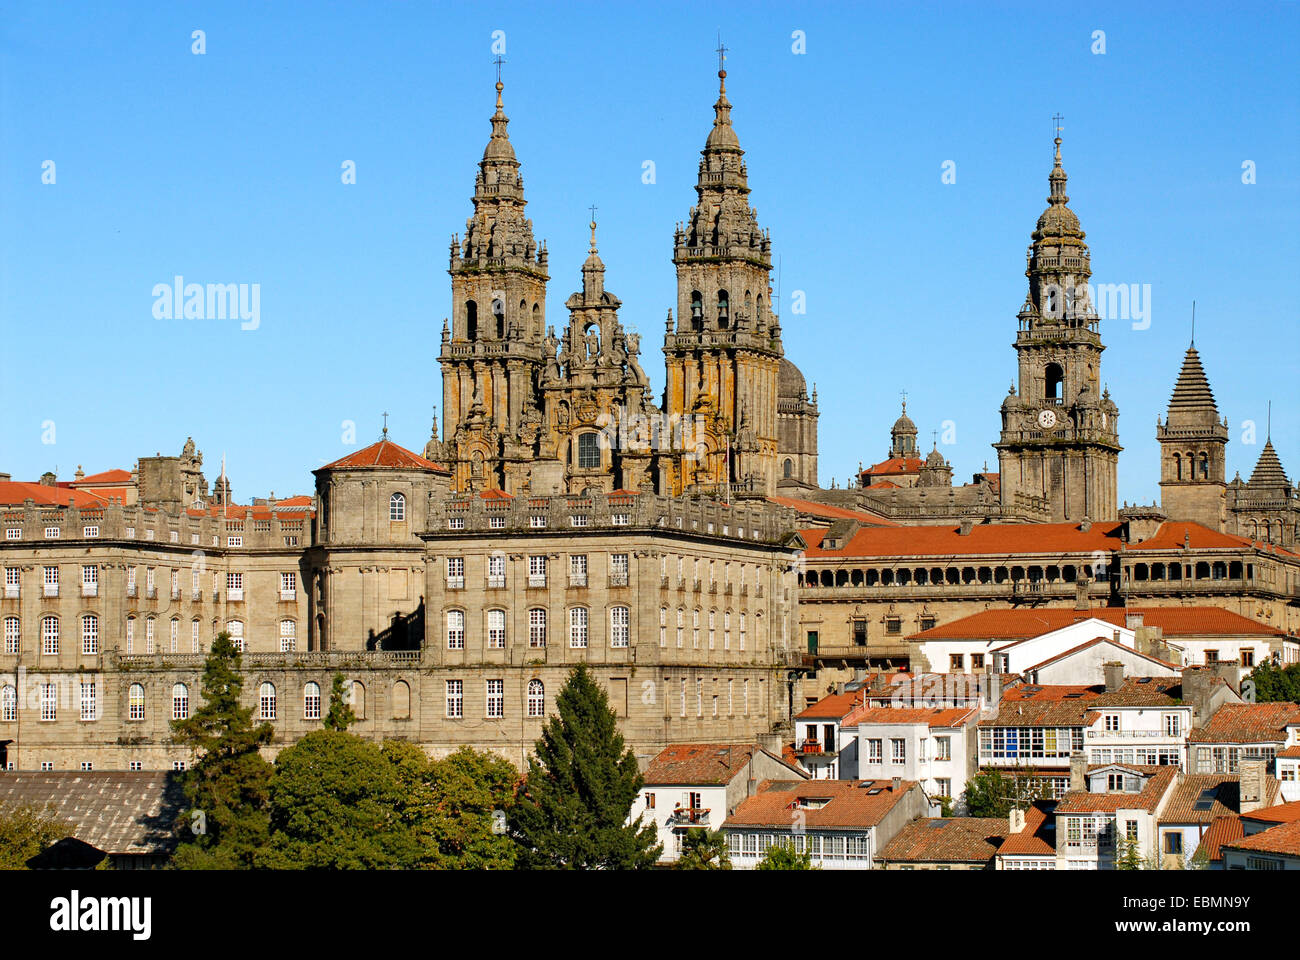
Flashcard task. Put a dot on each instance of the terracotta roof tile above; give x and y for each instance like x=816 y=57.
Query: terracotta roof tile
x=895 y=466
x=1022 y=624
x=934 y=717
x=15 y=492
x=1281 y=813
x=1248 y=723
x=113 y=477
x=1037 y=839
x=1202 y=797
x=1222 y=830
x=1280 y=839
x=1059 y=705
x=699 y=763
x=830 y=512
x=1158 y=781
x=384 y=453
x=850 y=803
x=833 y=707
x=948 y=840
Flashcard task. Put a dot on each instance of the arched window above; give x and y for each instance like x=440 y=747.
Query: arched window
x=1178 y=467
x=588 y=451
x=149 y=624
x=13 y=635
x=311 y=700
x=789 y=468
x=1205 y=466
x=537 y=627
x=174 y=635
x=577 y=627
x=697 y=310
x=397 y=508
x=50 y=636
x=401 y=700
x=288 y=636
x=130 y=634
x=9 y=703
x=618 y=626
x=357 y=699
x=1052 y=381
x=471 y=320
x=455 y=629
x=180 y=701
x=536 y=698
x=194 y=636
x=135 y=702
x=724 y=310
x=89 y=634
x=266 y=701
x=496 y=621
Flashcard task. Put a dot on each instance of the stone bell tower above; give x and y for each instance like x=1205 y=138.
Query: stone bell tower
x=493 y=349
x=1059 y=441
x=723 y=353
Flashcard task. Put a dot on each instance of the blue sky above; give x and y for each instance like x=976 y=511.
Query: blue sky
x=225 y=168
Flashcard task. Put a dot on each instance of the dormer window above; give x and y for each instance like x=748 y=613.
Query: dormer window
x=397 y=508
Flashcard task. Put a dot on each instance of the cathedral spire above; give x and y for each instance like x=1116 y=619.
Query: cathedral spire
x=1192 y=395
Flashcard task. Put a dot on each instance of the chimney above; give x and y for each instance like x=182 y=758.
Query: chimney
x=1230 y=671
x=1251 y=785
x=771 y=742
x=1114 y=676
x=1081 y=601
x=1078 y=773
x=859 y=674
x=994 y=689
x=966 y=526
x=1114 y=635
x=897 y=784
x=1134 y=620
x=1197 y=688
x=1017 y=820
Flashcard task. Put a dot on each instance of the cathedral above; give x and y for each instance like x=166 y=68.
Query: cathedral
x=528 y=412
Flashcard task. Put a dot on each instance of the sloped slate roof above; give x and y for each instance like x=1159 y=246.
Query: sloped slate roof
x=116 y=812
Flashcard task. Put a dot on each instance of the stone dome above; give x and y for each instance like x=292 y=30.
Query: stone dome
x=790 y=382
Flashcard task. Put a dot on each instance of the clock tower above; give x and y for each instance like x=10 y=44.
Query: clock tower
x=1060 y=438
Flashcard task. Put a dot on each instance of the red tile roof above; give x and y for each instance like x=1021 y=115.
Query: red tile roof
x=1222 y=790
x=991 y=539
x=1159 y=780
x=1222 y=830
x=1248 y=723
x=1022 y=624
x=385 y=453
x=14 y=492
x=1283 y=839
x=814 y=509
x=699 y=763
x=934 y=717
x=1036 y=839
x=106 y=476
x=834 y=707
x=1059 y=705
x=895 y=466
x=1281 y=813
x=851 y=804
x=1290 y=753
x=948 y=840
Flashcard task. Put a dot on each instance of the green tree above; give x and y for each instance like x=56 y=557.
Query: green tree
x=340 y=715
x=783 y=856
x=337 y=802
x=1275 y=683
x=27 y=830
x=226 y=820
x=704 y=849
x=340 y=802
x=467 y=788
x=993 y=794
x=1128 y=855
x=573 y=809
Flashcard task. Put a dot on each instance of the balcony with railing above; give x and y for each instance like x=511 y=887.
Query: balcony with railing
x=618 y=578
x=132 y=590
x=812 y=748
x=11 y=591
x=496 y=581
x=455 y=583
x=576 y=579
x=51 y=590
x=537 y=581
x=289 y=594
x=235 y=594
x=90 y=589
x=696 y=815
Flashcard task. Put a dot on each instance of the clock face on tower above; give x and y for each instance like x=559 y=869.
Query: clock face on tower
x=1047 y=419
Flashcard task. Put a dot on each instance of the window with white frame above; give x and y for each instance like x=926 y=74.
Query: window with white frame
x=537 y=627
x=742 y=630
x=135 y=702
x=12 y=582
x=88 y=700
x=234 y=541
x=496 y=522
x=875 y=751
x=89 y=580
x=496 y=699
x=236 y=630
x=1173 y=725
x=50 y=636
x=176 y=584
x=618 y=566
x=234 y=586
x=1111 y=722
x=13 y=635
x=130 y=634
x=288 y=636
x=89 y=634
x=699 y=697
x=455 y=629
x=713 y=616
x=943 y=749
x=288 y=586
x=397 y=508
x=663 y=626
x=50 y=580
x=695 y=629
x=311 y=700
x=681 y=627
x=683 y=696
x=578 y=570
x=180 y=701
x=49 y=702
x=577 y=627
x=619 y=519
x=578 y=520
x=194 y=636
x=536 y=521
x=455 y=523
x=618 y=626
x=898 y=751
x=174 y=635
x=726 y=630
x=148 y=635
x=455 y=699
x=537 y=570
x=8 y=704
x=266 y=700
x=13 y=533
x=536 y=698
x=496 y=571
x=51 y=533
x=455 y=573
x=496 y=621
